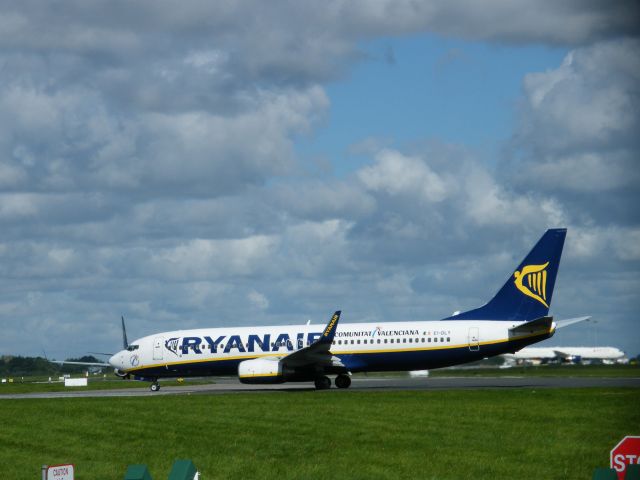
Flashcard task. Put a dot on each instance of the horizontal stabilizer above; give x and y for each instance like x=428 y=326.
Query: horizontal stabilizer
x=570 y=321
x=538 y=326
x=86 y=364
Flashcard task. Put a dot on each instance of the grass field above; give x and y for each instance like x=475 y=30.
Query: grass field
x=520 y=433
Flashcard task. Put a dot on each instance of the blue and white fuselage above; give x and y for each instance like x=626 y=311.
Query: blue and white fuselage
x=358 y=346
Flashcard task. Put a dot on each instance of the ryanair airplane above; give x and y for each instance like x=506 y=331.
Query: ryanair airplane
x=515 y=317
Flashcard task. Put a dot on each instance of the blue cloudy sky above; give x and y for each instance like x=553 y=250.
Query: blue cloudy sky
x=194 y=163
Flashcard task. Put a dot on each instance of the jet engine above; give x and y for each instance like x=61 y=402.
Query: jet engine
x=261 y=370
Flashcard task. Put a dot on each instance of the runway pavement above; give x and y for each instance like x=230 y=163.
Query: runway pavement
x=364 y=384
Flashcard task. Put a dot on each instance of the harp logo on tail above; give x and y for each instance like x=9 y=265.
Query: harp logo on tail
x=535 y=278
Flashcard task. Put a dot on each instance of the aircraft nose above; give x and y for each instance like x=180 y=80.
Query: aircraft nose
x=116 y=360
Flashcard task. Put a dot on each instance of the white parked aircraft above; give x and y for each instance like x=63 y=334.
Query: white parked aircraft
x=566 y=354
x=517 y=316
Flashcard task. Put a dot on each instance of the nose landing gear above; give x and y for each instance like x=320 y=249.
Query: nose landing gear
x=155 y=386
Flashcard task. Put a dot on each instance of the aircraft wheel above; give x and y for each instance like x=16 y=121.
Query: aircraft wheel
x=343 y=381
x=323 y=383
x=155 y=387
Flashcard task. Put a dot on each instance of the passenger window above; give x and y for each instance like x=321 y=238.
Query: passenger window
x=411 y=340
x=404 y=340
x=391 y=340
x=378 y=340
x=385 y=340
x=352 y=342
x=448 y=339
x=429 y=340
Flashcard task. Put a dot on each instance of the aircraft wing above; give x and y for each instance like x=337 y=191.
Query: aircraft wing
x=88 y=364
x=570 y=321
x=318 y=352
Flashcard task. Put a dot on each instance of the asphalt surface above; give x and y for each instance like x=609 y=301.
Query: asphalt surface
x=231 y=386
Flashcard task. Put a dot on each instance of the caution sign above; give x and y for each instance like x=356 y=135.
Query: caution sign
x=60 y=472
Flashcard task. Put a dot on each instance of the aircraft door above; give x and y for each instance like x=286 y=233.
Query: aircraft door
x=157 y=348
x=474 y=339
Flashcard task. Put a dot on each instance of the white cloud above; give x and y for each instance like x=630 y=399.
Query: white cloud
x=203 y=258
x=596 y=243
x=588 y=100
x=398 y=174
x=81 y=145
x=577 y=136
x=148 y=166
x=259 y=300
x=17 y=205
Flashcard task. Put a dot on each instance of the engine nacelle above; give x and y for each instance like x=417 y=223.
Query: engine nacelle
x=260 y=370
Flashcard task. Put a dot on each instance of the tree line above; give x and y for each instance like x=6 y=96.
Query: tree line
x=15 y=366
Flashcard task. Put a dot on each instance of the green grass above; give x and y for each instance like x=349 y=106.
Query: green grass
x=520 y=433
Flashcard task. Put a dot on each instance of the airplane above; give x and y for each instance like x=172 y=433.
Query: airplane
x=566 y=355
x=515 y=317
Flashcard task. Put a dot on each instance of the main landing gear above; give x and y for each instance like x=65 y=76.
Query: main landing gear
x=343 y=381
x=324 y=382
x=155 y=386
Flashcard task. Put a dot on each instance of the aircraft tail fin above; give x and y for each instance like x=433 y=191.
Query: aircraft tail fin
x=527 y=293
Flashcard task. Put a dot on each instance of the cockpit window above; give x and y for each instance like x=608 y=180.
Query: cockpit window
x=131 y=348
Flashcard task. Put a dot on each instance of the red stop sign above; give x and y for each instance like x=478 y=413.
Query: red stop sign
x=626 y=452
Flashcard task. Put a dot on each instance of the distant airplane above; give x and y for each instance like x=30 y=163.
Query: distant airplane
x=567 y=354
x=517 y=316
